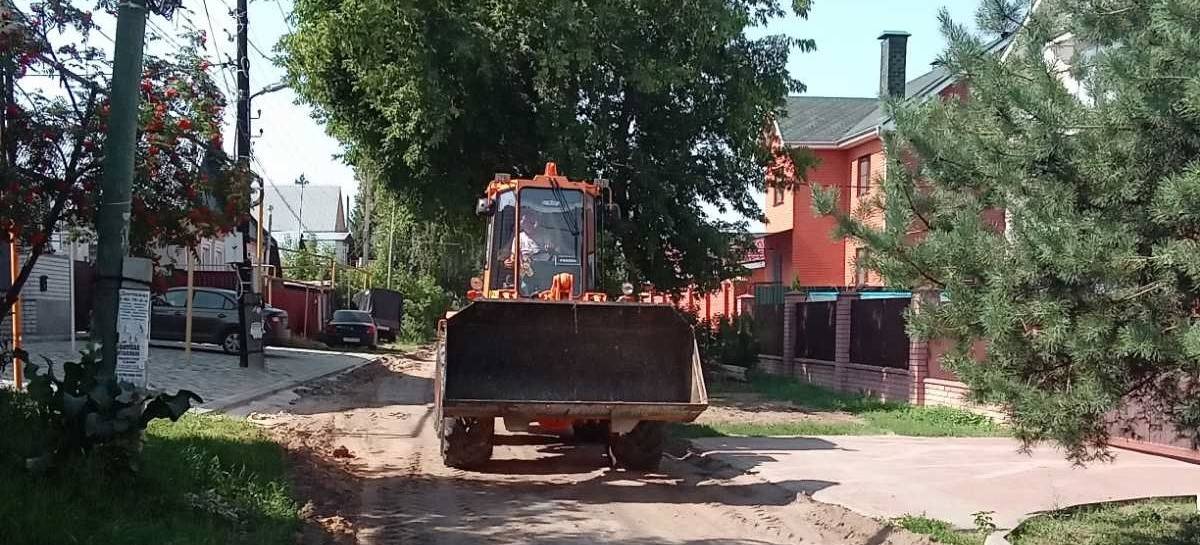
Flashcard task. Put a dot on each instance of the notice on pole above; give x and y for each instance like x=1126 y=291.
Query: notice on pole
x=133 y=336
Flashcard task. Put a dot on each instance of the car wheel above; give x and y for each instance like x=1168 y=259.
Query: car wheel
x=231 y=342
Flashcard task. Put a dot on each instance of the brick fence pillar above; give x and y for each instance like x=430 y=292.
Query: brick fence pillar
x=790 y=300
x=841 y=349
x=918 y=348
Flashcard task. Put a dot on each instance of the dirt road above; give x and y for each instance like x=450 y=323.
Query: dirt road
x=367 y=457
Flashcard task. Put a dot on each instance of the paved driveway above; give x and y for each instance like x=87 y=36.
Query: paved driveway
x=948 y=478
x=216 y=375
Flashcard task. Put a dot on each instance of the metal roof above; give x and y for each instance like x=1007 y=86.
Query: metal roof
x=323 y=210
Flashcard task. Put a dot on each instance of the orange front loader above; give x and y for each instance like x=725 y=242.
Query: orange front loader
x=543 y=349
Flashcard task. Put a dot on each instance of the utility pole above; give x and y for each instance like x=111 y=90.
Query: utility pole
x=112 y=222
x=250 y=329
x=368 y=200
x=302 y=182
x=391 y=238
x=9 y=239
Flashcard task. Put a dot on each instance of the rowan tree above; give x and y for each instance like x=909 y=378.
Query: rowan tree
x=1090 y=296
x=666 y=101
x=55 y=125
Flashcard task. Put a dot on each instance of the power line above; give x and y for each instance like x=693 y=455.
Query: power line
x=286 y=19
x=217 y=47
x=254 y=46
x=163 y=34
x=283 y=199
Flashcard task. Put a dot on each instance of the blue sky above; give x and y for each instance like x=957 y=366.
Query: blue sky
x=846 y=63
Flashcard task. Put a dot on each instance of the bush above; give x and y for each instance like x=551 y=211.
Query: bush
x=87 y=409
x=424 y=304
x=722 y=340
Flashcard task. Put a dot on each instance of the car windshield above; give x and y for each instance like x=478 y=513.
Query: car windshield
x=549 y=238
x=352 y=316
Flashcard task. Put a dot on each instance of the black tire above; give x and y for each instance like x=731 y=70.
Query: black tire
x=231 y=341
x=641 y=449
x=591 y=431
x=467 y=442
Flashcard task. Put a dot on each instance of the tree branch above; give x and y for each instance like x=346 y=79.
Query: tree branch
x=35 y=251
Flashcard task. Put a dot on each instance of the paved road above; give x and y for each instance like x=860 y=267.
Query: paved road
x=373 y=442
x=216 y=375
x=949 y=478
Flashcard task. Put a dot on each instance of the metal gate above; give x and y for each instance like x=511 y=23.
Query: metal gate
x=768 y=318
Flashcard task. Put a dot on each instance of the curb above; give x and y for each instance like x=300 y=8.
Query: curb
x=233 y=402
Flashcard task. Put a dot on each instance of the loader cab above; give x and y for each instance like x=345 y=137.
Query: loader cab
x=539 y=229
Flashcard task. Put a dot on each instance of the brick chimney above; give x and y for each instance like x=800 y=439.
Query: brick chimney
x=892 y=62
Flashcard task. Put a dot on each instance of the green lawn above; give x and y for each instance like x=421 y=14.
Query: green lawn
x=204 y=480
x=1149 y=522
x=872 y=417
x=939 y=531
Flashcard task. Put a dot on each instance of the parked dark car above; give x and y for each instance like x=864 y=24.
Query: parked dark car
x=214 y=318
x=354 y=327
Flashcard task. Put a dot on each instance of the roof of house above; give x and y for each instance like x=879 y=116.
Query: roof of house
x=322 y=210
x=829 y=120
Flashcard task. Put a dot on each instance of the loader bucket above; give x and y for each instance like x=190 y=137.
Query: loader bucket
x=547 y=354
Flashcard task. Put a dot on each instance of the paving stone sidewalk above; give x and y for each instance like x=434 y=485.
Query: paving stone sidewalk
x=216 y=375
x=947 y=478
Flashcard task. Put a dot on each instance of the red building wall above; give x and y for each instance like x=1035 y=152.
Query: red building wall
x=818 y=259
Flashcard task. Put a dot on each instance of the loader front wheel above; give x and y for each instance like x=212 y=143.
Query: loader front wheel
x=641 y=449
x=467 y=442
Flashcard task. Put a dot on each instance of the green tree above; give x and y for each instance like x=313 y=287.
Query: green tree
x=1092 y=293
x=52 y=143
x=429 y=262
x=310 y=263
x=666 y=101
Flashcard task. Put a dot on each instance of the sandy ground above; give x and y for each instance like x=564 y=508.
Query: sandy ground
x=752 y=408
x=366 y=457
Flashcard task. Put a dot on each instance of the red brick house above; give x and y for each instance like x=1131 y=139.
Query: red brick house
x=845 y=134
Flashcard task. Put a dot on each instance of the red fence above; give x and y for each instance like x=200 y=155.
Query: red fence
x=308 y=307
x=220 y=279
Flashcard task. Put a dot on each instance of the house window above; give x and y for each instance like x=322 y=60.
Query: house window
x=778 y=199
x=864 y=175
x=860 y=266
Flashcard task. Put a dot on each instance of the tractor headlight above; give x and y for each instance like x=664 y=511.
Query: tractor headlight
x=627 y=288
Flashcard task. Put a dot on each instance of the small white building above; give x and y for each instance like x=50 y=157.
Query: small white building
x=321 y=208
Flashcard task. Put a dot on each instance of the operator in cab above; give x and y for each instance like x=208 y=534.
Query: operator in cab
x=530 y=249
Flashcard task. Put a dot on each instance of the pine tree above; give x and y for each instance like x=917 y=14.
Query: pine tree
x=1088 y=291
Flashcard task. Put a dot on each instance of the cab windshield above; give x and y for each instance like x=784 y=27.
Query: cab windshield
x=549 y=238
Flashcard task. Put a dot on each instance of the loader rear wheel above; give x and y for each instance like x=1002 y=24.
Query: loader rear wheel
x=591 y=431
x=641 y=449
x=467 y=442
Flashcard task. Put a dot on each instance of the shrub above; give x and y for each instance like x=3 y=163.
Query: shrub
x=722 y=340
x=87 y=409
x=424 y=304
